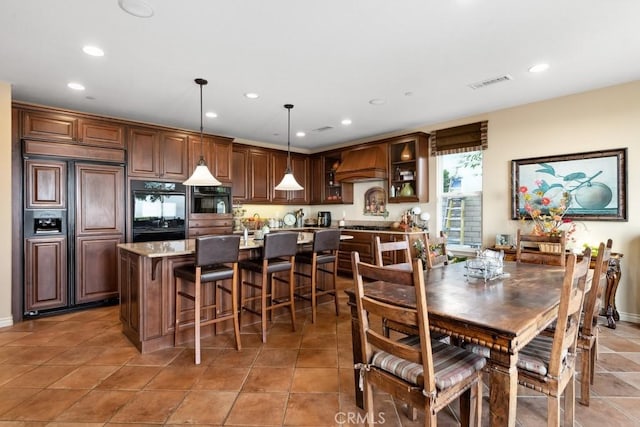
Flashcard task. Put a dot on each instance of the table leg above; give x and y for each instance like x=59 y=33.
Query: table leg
x=503 y=389
x=613 y=279
x=357 y=349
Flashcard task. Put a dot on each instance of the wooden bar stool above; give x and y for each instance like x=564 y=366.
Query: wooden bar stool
x=278 y=255
x=324 y=251
x=216 y=260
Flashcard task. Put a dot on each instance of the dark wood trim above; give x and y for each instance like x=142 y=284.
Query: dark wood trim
x=16 y=218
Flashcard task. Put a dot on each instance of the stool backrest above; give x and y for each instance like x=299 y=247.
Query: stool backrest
x=217 y=249
x=326 y=240
x=280 y=244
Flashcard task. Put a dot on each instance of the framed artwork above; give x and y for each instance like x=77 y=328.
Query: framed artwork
x=594 y=183
x=503 y=241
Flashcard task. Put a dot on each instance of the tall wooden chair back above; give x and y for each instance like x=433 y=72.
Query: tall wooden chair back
x=398 y=251
x=536 y=249
x=547 y=364
x=436 y=248
x=588 y=337
x=415 y=370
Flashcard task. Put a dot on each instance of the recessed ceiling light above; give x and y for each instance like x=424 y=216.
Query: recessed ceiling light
x=137 y=8
x=300 y=134
x=346 y=122
x=377 y=101
x=75 y=86
x=93 y=51
x=211 y=114
x=251 y=95
x=538 y=68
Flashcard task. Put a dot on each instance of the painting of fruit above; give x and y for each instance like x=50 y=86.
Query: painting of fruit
x=593 y=185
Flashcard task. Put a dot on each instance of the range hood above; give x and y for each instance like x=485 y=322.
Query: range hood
x=366 y=164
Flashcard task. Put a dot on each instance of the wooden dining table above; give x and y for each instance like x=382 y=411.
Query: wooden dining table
x=503 y=314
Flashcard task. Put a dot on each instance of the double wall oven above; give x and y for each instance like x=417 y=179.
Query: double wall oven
x=159 y=211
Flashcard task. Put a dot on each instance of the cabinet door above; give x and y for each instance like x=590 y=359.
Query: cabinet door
x=100 y=199
x=317 y=179
x=45 y=184
x=260 y=186
x=240 y=183
x=96 y=272
x=278 y=167
x=299 y=167
x=129 y=285
x=102 y=133
x=173 y=156
x=143 y=153
x=50 y=126
x=45 y=275
x=222 y=160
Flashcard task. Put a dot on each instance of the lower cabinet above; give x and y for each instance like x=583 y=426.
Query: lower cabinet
x=96 y=279
x=45 y=275
x=203 y=224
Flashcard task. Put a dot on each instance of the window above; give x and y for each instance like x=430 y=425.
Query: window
x=460 y=199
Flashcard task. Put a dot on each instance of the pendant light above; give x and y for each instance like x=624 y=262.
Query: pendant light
x=288 y=181
x=201 y=175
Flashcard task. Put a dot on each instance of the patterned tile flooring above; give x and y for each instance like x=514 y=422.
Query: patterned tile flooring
x=78 y=369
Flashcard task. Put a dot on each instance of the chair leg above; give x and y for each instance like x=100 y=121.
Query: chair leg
x=586 y=357
x=570 y=401
x=553 y=411
x=198 y=296
x=368 y=403
x=465 y=408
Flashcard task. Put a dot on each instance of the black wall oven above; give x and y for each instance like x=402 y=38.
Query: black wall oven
x=211 y=200
x=159 y=211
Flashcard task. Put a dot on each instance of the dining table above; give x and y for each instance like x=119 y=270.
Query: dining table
x=503 y=314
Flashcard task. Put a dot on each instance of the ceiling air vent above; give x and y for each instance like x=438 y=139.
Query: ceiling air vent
x=323 y=128
x=489 y=82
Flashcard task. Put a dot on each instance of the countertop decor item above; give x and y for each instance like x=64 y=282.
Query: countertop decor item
x=407 y=190
x=201 y=174
x=288 y=180
x=375 y=200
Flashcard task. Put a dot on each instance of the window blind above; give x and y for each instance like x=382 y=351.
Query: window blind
x=459 y=139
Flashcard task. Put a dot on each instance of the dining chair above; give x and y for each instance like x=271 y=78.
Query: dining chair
x=417 y=370
x=546 y=249
x=547 y=363
x=216 y=263
x=278 y=256
x=588 y=334
x=398 y=252
x=324 y=251
x=436 y=248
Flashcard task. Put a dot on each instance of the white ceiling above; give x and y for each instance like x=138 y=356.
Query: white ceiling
x=328 y=58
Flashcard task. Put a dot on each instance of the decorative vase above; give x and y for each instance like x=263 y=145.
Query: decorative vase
x=407 y=190
x=406 y=153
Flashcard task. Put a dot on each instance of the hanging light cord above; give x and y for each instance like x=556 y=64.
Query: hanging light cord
x=288 y=107
x=201 y=82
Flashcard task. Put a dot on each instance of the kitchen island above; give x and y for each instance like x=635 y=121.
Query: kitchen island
x=147 y=289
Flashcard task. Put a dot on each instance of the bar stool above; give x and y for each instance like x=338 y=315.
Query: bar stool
x=216 y=260
x=278 y=255
x=324 y=251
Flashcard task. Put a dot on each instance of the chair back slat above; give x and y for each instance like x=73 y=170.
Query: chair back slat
x=436 y=248
x=569 y=311
x=401 y=249
x=539 y=255
x=593 y=298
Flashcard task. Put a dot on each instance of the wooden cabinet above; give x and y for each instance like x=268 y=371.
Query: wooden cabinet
x=156 y=154
x=240 y=174
x=45 y=273
x=45 y=184
x=100 y=132
x=49 y=126
x=325 y=189
x=99 y=226
x=299 y=167
x=409 y=168
x=217 y=153
x=260 y=185
x=203 y=224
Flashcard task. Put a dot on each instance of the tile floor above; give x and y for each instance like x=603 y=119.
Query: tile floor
x=79 y=370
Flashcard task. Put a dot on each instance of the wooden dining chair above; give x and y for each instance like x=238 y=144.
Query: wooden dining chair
x=417 y=370
x=588 y=334
x=436 y=248
x=397 y=253
x=550 y=250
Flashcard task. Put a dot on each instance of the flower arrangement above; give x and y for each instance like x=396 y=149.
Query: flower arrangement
x=547 y=218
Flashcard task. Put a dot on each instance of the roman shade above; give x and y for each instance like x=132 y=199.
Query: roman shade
x=459 y=139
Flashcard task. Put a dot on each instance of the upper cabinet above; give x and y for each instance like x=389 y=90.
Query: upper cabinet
x=299 y=168
x=259 y=174
x=156 y=154
x=52 y=126
x=409 y=168
x=217 y=155
x=325 y=188
x=240 y=174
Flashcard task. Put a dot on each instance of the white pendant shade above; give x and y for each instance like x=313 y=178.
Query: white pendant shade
x=288 y=183
x=201 y=176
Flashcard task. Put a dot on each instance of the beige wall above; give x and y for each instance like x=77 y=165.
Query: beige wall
x=5 y=214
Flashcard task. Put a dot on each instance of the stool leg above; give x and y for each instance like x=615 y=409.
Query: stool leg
x=198 y=293
x=263 y=302
x=217 y=298
x=292 y=295
x=314 y=284
x=178 y=283
x=335 y=285
x=234 y=306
